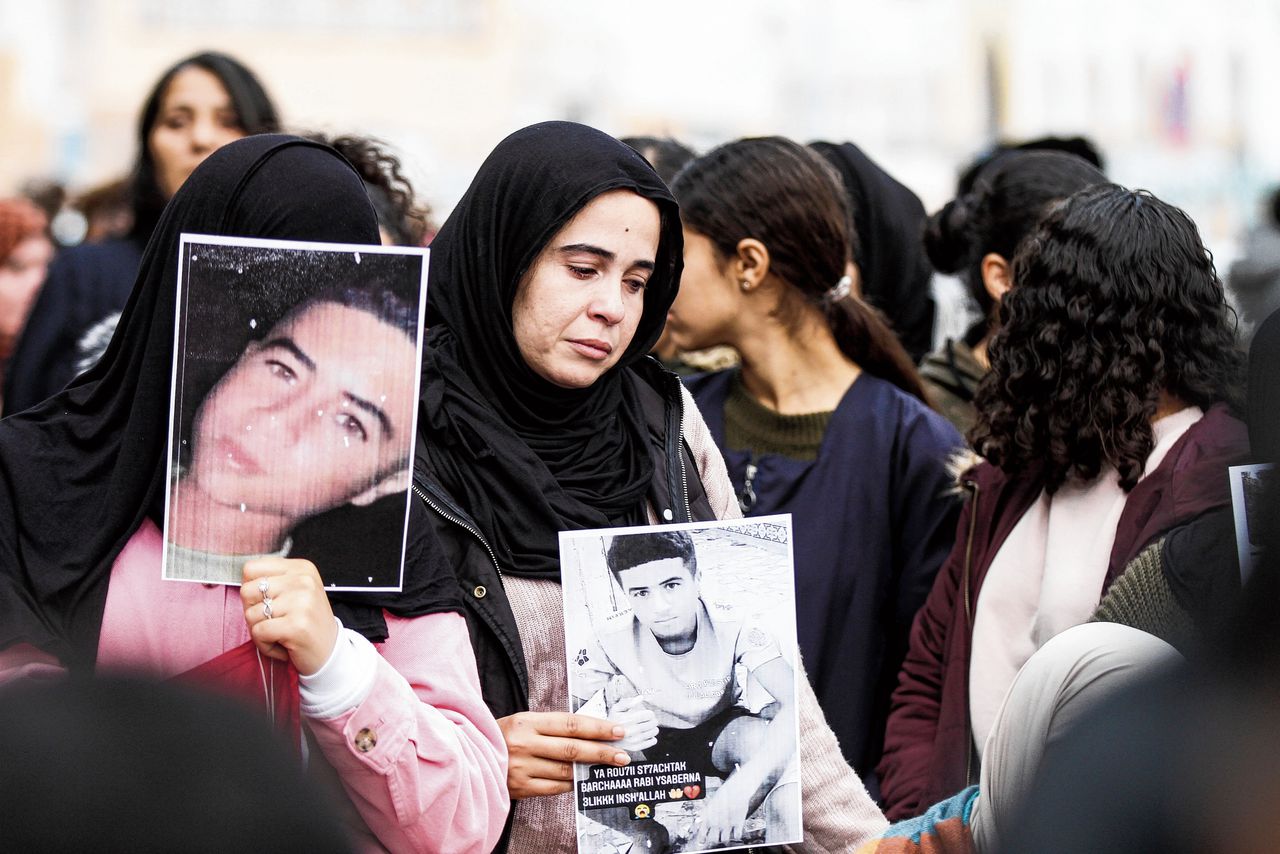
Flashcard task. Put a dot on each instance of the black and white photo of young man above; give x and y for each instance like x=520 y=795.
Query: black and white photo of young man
x=679 y=674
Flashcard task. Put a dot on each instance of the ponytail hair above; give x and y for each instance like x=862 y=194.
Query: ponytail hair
x=864 y=335
x=791 y=200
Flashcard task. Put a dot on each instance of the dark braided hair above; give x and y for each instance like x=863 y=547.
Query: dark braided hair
x=791 y=200
x=1115 y=300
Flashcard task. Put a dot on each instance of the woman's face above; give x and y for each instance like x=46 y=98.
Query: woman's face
x=316 y=415
x=195 y=119
x=708 y=302
x=21 y=275
x=577 y=308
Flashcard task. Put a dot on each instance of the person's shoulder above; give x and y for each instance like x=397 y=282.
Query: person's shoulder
x=754 y=636
x=748 y=634
x=117 y=251
x=881 y=400
x=110 y=261
x=1216 y=436
x=709 y=383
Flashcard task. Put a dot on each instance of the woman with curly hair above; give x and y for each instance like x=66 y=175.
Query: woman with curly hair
x=974 y=236
x=403 y=219
x=1105 y=423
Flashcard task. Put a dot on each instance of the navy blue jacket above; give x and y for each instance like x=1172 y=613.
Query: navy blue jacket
x=874 y=517
x=86 y=284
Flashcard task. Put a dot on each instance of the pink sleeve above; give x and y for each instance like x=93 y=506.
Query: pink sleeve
x=23 y=661
x=422 y=758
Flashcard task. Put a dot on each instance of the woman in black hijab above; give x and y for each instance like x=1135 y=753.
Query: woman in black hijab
x=893 y=272
x=80 y=502
x=550 y=282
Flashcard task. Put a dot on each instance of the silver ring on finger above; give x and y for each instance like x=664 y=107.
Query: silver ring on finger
x=263 y=586
x=266 y=607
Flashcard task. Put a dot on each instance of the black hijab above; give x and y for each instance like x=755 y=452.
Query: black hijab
x=82 y=471
x=889 y=220
x=524 y=457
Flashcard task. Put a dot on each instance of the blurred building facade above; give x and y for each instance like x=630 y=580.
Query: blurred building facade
x=1175 y=92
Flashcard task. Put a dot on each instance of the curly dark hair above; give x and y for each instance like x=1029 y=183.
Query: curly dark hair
x=404 y=217
x=1116 y=300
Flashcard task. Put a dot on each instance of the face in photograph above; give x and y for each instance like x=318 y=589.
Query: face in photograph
x=315 y=415
x=664 y=597
x=578 y=307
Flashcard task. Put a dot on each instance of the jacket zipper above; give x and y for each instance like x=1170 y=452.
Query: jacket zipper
x=461 y=524
x=968 y=615
x=968 y=554
x=675 y=445
x=684 y=477
x=747 y=498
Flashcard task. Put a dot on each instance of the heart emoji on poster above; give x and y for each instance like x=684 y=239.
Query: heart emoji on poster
x=692 y=792
x=675 y=794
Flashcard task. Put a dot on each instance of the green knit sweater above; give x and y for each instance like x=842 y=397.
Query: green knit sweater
x=751 y=426
x=1142 y=598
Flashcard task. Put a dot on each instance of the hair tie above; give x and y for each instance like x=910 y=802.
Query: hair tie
x=841 y=290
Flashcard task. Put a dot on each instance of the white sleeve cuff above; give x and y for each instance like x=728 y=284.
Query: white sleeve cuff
x=344 y=681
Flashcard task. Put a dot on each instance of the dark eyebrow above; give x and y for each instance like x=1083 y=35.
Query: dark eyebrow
x=599 y=252
x=659 y=584
x=603 y=254
x=374 y=410
x=367 y=405
x=287 y=344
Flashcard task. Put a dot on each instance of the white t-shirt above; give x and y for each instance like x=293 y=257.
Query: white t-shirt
x=682 y=690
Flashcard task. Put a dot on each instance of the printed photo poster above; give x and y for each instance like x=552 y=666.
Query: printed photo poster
x=1248 y=483
x=686 y=635
x=294 y=408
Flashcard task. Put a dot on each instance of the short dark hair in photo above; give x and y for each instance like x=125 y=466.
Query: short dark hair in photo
x=379 y=300
x=627 y=551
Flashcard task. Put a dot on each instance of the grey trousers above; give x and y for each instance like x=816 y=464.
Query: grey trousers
x=1066 y=676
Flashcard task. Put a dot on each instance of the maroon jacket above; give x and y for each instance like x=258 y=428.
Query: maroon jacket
x=928 y=754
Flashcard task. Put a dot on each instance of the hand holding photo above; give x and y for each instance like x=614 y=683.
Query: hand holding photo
x=685 y=636
x=295 y=389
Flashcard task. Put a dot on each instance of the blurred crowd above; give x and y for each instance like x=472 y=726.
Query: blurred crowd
x=1022 y=619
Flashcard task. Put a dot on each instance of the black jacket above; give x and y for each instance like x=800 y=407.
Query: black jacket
x=676 y=495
